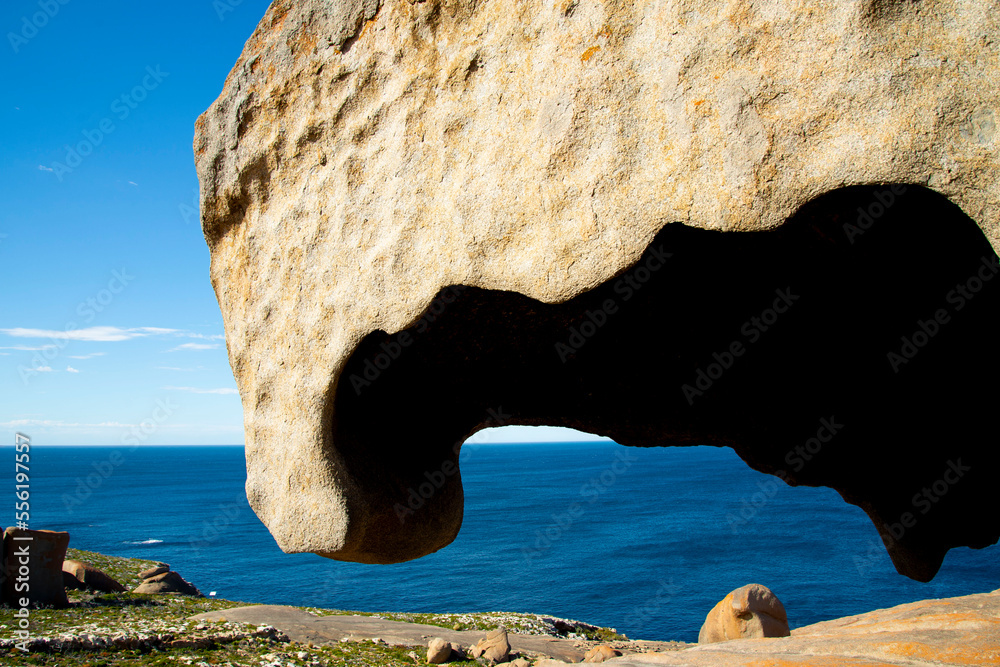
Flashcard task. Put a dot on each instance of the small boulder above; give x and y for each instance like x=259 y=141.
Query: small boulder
x=457 y=651
x=600 y=653
x=494 y=648
x=438 y=651
x=167 y=582
x=91 y=577
x=750 y=612
x=153 y=571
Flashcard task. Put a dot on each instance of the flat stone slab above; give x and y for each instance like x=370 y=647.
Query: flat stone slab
x=301 y=626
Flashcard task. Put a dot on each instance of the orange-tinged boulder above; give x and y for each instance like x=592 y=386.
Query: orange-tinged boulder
x=951 y=631
x=750 y=612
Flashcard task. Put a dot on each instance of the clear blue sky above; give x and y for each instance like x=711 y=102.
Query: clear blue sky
x=108 y=322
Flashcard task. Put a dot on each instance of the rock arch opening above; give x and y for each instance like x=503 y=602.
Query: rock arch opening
x=846 y=348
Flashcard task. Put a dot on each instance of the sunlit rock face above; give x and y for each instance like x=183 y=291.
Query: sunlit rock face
x=427 y=218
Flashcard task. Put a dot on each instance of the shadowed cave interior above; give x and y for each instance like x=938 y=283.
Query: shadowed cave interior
x=786 y=345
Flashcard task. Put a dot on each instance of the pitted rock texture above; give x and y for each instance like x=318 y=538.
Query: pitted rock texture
x=365 y=157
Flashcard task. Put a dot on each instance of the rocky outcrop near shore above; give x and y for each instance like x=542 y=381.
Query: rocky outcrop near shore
x=387 y=186
x=951 y=631
x=749 y=612
x=166 y=582
x=86 y=576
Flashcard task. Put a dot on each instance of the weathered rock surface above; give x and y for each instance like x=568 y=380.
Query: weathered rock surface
x=367 y=156
x=91 y=577
x=951 y=631
x=71 y=583
x=518 y=662
x=153 y=571
x=600 y=654
x=458 y=651
x=494 y=648
x=34 y=557
x=749 y=612
x=167 y=582
x=438 y=651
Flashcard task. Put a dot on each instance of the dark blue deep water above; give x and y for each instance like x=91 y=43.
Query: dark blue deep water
x=646 y=541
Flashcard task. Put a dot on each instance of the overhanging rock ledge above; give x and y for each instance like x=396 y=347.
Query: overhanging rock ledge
x=366 y=157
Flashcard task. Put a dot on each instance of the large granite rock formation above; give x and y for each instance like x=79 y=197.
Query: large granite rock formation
x=430 y=217
x=749 y=612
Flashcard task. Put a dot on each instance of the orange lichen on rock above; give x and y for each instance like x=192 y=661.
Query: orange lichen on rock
x=811 y=661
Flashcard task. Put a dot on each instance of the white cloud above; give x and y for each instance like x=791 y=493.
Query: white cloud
x=508 y=434
x=87 y=356
x=99 y=334
x=195 y=346
x=158 y=331
x=28 y=348
x=58 y=424
x=196 y=390
x=55 y=423
x=44 y=168
x=70 y=369
x=133 y=183
x=108 y=334
x=43 y=369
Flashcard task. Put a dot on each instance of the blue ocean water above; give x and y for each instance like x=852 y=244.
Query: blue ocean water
x=642 y=540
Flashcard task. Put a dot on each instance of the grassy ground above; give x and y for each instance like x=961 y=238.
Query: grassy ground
x=166 y=617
